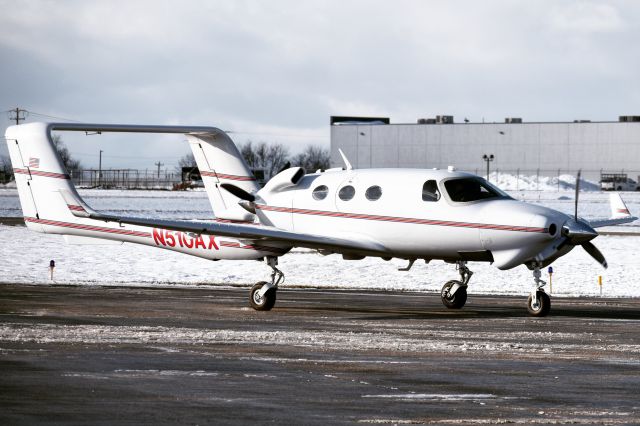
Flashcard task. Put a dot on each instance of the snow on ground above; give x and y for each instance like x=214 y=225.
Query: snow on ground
x=25 y=259
x=422 y=340
x=25 y=255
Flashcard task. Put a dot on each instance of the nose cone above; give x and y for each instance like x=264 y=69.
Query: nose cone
x=578 y=232
x=527 y=218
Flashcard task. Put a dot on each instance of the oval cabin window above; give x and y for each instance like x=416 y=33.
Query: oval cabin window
x=320 y=192
x=373 y=193
x=346 y=193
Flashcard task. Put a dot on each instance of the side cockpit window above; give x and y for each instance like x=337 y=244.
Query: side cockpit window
x=464 y=190
x=430 y=191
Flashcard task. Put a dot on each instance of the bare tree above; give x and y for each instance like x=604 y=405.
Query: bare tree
x=5 y=169
x=187 y=160
x=270 y=157
x=69 y=163
x=313 y=158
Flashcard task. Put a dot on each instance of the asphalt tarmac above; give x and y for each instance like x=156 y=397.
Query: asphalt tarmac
x=98 y=355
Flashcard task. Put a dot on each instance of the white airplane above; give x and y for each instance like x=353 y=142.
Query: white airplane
x=388 y=213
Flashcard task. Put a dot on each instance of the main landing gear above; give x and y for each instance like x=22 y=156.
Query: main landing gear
x=539 y=302
x=263 y=294
x=454 y=292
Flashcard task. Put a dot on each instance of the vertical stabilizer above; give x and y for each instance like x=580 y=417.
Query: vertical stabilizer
x=219 y=162
x=40 y=175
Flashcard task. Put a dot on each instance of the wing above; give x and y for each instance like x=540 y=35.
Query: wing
x=355 y=245
x=259 y=233
x=619 y=213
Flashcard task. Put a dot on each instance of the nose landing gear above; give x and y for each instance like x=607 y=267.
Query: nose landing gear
x=539 y=303
x=454 y=292
x=263 y=294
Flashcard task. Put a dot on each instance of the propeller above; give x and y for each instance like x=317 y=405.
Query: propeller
x=579 y=233
x=238 y=192
x=595 y=253
x=246 y=199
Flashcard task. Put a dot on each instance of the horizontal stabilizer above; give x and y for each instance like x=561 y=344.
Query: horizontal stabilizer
x=75 y=204
x=619 y=213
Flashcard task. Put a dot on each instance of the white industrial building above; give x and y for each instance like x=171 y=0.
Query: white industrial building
x=525 y=148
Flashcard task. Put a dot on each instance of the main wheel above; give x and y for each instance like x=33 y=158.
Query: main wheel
x=453 y=301
x=262 y=303
x=541 y=307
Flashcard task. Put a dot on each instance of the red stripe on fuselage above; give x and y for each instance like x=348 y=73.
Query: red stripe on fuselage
x=70 y=225
x=88 y=227
x=402 y=219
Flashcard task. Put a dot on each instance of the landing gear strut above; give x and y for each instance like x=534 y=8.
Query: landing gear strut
x=263 y=294
x=454 y=293
x=539 y=302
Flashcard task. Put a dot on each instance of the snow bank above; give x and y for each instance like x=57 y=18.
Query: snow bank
x=510 y=182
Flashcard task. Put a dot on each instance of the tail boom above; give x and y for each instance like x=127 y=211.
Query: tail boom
x=51 y=204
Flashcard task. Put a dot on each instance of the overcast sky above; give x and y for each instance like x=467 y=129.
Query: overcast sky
x=276 y=70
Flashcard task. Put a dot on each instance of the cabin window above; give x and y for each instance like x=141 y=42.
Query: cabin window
x=320 y=192
x=346 y=193
x=373 y=193
x=430 y=191
x=471 y=189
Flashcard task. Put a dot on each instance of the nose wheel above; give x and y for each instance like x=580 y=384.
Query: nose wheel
x=539 y=302
x=540 y=305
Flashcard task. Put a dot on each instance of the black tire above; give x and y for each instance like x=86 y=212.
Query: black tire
x=543 y=307
x=266 y=302
x=455 y=301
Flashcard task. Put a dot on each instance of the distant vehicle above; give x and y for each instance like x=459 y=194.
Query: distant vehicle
x=409 y=214
x=617 y=182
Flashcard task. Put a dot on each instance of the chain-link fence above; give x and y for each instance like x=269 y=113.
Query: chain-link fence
x=126 y=179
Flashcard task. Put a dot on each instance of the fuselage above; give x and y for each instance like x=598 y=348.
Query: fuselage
x=415 y=214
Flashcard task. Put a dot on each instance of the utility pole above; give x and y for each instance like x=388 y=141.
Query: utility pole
x=488 y=158
x=100 y=169
x=18 y=114
x=159 y=164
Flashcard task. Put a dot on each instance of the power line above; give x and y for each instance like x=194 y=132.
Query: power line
x=53 y=116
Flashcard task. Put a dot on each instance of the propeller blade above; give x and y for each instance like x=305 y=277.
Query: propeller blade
x=577 y=194
x=238 y=192
x=595 y=253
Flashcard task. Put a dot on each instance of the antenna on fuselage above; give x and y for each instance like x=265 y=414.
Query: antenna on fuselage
x=347 y=164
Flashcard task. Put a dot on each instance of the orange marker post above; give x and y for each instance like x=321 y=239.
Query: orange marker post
x=600 y=283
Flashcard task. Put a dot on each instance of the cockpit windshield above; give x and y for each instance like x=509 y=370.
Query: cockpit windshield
x=471 y=189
